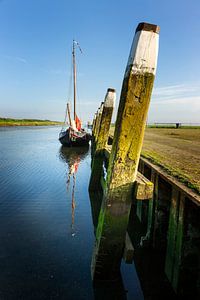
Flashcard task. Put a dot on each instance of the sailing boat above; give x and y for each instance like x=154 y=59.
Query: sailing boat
x=74 y=135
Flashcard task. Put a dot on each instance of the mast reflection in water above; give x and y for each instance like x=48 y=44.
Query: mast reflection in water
x=73 y=157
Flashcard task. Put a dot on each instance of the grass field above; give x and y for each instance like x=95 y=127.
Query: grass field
x=26 y=122
x=177 y=151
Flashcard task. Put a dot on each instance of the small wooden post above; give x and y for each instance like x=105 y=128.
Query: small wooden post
x=94 y=129
x=98 y=122
x=101 y=139
x=127 y=143
x=94 y=123
x=106 y=117
x=95 y=126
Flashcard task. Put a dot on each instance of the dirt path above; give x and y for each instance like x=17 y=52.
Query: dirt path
x=177 y=150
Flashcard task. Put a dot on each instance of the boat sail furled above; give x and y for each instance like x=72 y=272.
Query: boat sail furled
x=74 y=135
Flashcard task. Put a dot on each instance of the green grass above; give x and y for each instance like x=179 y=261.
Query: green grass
x=176 y=151
x=27 y=122
x=175 y=172
x=173 y=126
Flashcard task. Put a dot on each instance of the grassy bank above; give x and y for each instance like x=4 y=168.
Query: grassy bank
x=27 y=122
x=174 y=126
x=177 y=151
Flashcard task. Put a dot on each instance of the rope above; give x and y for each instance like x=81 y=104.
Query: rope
x=69 y=95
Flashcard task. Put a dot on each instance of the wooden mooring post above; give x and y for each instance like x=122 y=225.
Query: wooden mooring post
x=98 y=122
x=124 y=158
x=101 y=138
x=95 y=128
x=94 y=123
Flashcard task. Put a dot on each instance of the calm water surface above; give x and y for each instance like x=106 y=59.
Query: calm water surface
x=46 y=227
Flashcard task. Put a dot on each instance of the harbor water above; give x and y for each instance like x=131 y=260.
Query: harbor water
x=46 y=224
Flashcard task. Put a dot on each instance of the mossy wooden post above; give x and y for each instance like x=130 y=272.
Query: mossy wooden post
x=102 y=139
x=123 y=162
x=94 y=123
x=105 y=122
x=95 y=127
x=98 y=121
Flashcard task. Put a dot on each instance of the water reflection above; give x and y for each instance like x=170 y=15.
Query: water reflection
x=38 y=259
x=73 y=157
x=126 y=285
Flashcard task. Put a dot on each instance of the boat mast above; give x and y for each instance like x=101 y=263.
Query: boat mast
x=74 y=77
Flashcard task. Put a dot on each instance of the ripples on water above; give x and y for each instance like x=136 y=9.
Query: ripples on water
x=46 y=227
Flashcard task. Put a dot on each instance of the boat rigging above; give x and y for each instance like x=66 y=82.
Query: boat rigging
x=74 y=135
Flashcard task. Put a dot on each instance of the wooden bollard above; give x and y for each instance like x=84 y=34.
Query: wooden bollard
x=101 y=139
x=98 y=122
x=94 y=129
x=106 y=117
x=94 y=123
x=127 y=143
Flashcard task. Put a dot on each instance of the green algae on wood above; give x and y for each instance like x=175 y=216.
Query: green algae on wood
x=179 y=244
x=98 y=121
x=172 y=234
x=101 y=139
x=109 y=244
x=129 y=129
x=105 y=120
x=144 y=188
x=94 y=123
x=94 y=129
x=124 y=158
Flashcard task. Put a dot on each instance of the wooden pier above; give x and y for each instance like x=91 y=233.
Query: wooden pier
x=142 y=207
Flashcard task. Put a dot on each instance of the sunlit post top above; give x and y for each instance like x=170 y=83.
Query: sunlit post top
x=144 y=51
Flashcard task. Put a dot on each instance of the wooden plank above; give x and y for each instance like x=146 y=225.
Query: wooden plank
x=144 y=188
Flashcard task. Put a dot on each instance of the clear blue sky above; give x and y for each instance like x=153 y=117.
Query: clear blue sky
x=35 y=55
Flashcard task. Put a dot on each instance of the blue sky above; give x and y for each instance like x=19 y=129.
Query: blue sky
x=35 y=55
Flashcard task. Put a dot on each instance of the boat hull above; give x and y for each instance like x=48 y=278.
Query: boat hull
x=68 y=139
